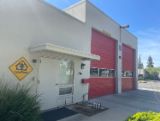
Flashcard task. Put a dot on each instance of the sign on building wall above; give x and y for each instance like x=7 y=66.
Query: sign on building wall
x=21 y=68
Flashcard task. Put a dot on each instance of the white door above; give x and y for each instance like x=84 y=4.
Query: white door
x=56 y=83
x=65 y=83
x=48 y=76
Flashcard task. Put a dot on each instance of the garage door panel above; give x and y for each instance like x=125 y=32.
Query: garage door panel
x=128 y=64
x=101 y=86
x=105 y=47
x=128 y=57
x=127 y=84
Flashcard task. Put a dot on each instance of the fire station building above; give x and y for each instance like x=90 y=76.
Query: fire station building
x=67 y=56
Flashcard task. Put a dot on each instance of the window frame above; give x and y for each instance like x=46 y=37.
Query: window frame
x=110 y=72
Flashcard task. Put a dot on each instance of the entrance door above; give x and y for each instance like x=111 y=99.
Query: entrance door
x=56 y=83
x=65 y=84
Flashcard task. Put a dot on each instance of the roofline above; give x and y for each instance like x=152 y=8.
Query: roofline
x=131 y=34
x=64 y=13
x=75 y=4
x=80 y=2
x=107 y=16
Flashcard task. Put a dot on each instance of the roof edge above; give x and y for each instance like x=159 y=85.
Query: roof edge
x=75 y=4
x=89 y=2
x=63 y=12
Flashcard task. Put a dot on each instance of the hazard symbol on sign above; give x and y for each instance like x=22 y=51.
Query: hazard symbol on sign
x=21 y=68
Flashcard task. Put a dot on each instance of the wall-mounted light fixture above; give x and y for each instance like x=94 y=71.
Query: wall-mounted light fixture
x=124 y=26
x=83 y=65
x=34 y=60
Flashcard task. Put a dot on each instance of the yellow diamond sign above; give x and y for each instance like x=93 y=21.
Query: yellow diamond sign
x=21 y=68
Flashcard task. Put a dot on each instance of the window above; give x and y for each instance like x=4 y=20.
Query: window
x=66 y=72
x=103 y=72
x=112 y=73
x=127 y=74
x=94 y=72
x=130 y=74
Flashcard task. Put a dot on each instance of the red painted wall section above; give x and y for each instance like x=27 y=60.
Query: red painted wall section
x=128 y=64
x=127 y=84
x=105 y=47
x=101 y=86
x=128 y=58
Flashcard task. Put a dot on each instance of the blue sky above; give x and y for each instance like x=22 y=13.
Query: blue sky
x=143 y=16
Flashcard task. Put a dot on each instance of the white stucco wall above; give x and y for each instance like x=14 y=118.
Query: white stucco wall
x=25 y=23
x=78 y=10
x=129 y=39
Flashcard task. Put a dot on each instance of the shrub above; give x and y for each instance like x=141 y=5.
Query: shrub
x=17 y=104
x=145 y=116
x=152 y=73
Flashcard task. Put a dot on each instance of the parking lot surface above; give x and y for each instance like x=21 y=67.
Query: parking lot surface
x=123 y=105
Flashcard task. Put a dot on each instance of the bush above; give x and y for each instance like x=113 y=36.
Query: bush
x=145 y=116
x=17 y=104
x=152 y=73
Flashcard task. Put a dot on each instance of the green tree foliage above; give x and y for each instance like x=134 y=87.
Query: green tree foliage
x=150 y=62
x=145 y=116
x=152 y=73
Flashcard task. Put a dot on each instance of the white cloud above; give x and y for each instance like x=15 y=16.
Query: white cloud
x=149 y=45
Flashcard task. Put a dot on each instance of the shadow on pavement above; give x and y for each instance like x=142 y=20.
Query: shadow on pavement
x=57 y=114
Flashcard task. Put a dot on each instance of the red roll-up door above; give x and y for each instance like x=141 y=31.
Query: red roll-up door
x=128 y=64
x=105 y=47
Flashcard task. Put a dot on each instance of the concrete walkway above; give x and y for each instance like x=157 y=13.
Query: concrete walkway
x=122 y=106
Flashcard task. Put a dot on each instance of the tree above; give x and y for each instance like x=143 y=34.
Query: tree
x=152 y=73
x=150 y=63
x=140 y=64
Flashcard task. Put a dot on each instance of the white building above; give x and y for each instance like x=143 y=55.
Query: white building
x=51 y=50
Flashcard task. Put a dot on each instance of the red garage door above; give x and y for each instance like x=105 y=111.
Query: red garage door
x=102 y=81
x=128 y=68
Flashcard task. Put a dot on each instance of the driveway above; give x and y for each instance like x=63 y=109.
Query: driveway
x=149 y=85
x=122 y=106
